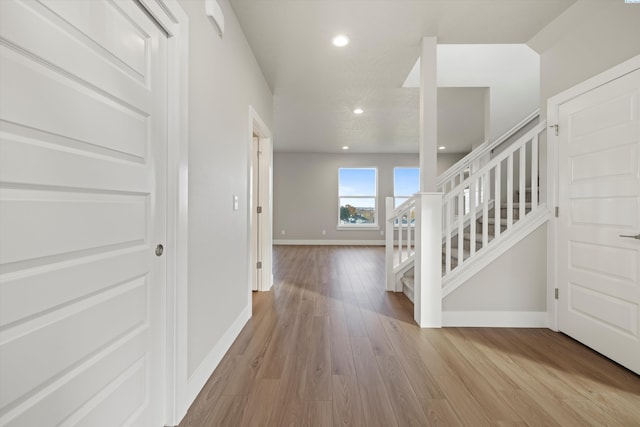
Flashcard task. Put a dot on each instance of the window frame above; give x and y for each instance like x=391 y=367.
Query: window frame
x=370 y=226
x=403 y=196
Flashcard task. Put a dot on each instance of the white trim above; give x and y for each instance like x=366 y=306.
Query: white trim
x=330 y=242
x=553 y=107
x=519 y=231
x=376 y=207
x=362 y=227
x=495 y=319
x=257 y=126
x=199 y=378
x=172 y=18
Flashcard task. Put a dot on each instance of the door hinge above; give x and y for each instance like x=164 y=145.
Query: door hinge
x=259 y=265
x=259 y=209
x=556 y=293
x=557 y=211
x=555 y=128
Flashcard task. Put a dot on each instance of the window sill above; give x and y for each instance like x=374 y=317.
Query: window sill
x=367 y=227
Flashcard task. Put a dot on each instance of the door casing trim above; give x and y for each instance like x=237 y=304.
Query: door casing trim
x=553 y=109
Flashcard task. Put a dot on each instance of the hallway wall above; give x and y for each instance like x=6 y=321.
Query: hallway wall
x=224 y=79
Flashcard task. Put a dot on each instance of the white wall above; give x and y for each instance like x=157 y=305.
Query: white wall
x=588 y=38
x=306 y=192
x=516 y=281
x=510 y=71
x=224 y=79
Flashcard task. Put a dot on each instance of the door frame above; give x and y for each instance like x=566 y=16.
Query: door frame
x=259 y=128
x=169 y=15
x=553 y=184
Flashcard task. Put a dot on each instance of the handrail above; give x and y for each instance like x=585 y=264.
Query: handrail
x=483 y=149
x=499 y=158
x=404 y=206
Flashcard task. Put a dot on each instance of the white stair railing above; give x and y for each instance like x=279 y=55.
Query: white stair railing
x=470 y=163
x=513 y=170
x=400 y=240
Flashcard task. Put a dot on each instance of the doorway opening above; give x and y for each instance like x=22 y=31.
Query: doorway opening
x=261 y=196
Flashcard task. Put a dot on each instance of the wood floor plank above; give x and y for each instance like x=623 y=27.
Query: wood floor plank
x=347 y=406
x=328 y=346
x=260 y=403
x=412 y=361
x=405 y=403
x=318 y=383
x=439 y=412
x=375 y=400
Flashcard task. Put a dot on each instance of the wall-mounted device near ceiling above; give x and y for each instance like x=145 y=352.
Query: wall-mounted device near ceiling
x=213 y=11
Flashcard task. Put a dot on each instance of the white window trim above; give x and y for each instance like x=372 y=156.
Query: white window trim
x=376 y=214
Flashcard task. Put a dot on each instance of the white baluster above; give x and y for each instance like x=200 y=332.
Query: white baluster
x=447 y=237
x=510 y=190
x=460 y=226
x=498 y=200
x=523 y=180
x=473 y=191
x=485 y=209
x=400 y=231
x=534 y=173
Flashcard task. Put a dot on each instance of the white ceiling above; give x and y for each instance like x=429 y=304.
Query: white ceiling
x=316 y=86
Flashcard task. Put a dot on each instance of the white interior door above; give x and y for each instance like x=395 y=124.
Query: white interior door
x=599 y=195
x=82 y=207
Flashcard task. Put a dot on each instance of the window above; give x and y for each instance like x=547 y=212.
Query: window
x=357 y=189
x=406 y=182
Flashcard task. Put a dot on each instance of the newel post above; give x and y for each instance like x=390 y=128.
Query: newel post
x=388 y=219
x=427 y=305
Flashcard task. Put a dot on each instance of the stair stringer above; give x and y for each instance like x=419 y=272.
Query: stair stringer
x=498 y=246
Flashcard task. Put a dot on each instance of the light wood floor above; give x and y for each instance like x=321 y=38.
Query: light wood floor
x=329 y=347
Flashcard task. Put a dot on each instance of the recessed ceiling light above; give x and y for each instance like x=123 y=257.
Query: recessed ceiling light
x=340 y=40
x=442 y=147
x=358 y=111
x=346 y=147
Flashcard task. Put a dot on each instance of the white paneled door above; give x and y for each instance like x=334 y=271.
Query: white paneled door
x=82 y=208
x=599 y=193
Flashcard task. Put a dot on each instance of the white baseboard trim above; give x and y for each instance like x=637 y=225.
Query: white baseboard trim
x=199 y=378
x=495 y=319
x=330 y=242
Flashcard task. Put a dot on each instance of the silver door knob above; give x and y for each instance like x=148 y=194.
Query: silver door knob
x=637 y=236
x=159 y=249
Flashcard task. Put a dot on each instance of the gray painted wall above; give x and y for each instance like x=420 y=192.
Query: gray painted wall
x=305 y=187
x=224 y=79
x=516 y=281
x=588 y=38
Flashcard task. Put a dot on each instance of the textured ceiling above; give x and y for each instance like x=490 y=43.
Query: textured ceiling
x=316 y=86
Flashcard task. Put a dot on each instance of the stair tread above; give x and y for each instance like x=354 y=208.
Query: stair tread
x=516 y=205
x=492 y=221
x=454 y=253
x=467 y=236
x=408 y=281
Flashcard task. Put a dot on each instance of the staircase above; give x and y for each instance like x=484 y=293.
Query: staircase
x=491 y=202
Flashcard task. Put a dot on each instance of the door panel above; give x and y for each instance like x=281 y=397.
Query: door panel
x=82 y=206
x=599 y=194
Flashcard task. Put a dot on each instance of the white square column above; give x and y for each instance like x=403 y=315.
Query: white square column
x=428 y=257
x=427 y=293
x=429 y=115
